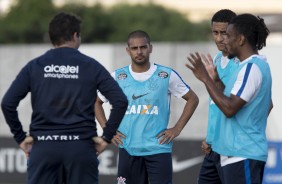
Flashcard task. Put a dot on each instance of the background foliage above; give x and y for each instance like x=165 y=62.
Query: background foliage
x=27 y=22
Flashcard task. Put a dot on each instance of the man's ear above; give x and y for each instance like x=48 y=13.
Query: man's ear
x=75 y=35
x=151 y=48
x=242 y=39
x=127 y=50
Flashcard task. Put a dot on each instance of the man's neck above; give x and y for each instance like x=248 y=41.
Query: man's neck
x=224 y=53
x=246 y=53
x=140 y=68
x=69 y=44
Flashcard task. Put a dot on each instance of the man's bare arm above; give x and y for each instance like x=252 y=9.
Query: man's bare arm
x=192 y=102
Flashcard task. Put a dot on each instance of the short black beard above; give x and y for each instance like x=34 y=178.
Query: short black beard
x=142 y=63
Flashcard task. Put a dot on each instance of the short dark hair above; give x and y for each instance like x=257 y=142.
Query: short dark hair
x=62 y=27
x=138 y=34
x=253 y=28
x=224 y=15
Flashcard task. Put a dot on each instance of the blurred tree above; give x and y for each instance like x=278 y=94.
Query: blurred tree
x=162 y=24
x=27 y=22
x=96 y=24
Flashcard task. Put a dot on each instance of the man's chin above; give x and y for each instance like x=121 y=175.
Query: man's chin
x=221 y=47
x=140 y=62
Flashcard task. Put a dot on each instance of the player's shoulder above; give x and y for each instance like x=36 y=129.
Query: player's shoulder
x=122 y=68
x=162 y=67
x=166 y=71
x=259 y=59
x=254 y=61
x=121 y=73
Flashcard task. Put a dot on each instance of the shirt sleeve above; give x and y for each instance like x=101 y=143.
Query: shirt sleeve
x=177 y=87
x=16 y=92
x=248 y=82
x=100 y=95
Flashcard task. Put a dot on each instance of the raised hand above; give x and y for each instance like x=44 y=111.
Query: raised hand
x=197 y=66
x=209 y=65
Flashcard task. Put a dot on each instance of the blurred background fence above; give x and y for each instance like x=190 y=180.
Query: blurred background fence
x=187 y=155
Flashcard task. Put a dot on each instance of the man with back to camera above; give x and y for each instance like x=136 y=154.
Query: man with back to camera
x=220 y=69
x=245 y=104
x=63 y=83
x=145 y=142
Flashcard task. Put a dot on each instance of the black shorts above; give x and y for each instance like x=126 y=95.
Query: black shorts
x=210 y=172
x=244 y=172
x=57 y=162
x=153 y=169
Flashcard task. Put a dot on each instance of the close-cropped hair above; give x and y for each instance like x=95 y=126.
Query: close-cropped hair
x=224 y=15
x=252 y=28
x=62 y=27
x=138 y=34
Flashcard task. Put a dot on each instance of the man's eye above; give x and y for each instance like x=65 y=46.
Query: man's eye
x=140 y=47
x=144 y=47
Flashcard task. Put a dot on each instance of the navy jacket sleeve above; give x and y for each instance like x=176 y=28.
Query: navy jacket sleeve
x=111 y=90
x=16 y=92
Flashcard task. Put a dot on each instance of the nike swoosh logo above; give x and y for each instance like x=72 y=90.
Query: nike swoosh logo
x=139 y=96
x=182 y=165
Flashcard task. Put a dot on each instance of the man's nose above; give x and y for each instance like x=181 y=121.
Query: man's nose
x=219 y=38
x=139 y=50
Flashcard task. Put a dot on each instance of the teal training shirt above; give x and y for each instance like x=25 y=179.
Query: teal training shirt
x=243 y=135
x=147 y=113
x=225 y=67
